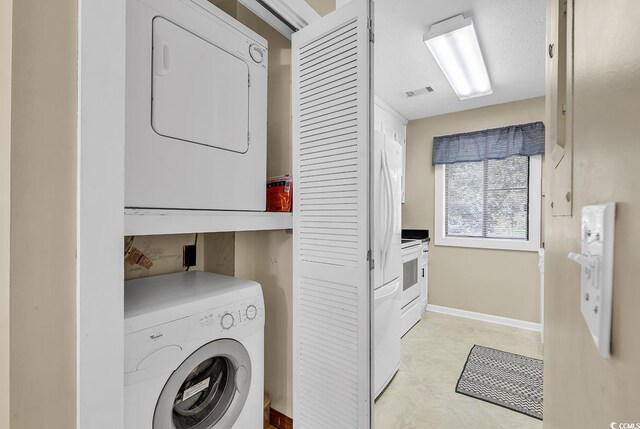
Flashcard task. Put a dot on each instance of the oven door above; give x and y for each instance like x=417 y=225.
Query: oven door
x=410 y=275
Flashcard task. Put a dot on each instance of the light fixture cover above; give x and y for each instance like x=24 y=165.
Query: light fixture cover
x=454 y=45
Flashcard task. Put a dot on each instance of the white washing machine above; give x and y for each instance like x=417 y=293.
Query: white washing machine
x=194 y=350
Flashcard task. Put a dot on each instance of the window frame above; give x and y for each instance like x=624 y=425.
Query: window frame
x=535 y=201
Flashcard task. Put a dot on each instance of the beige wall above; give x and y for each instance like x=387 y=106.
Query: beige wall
x=323 y=7
x=581 y=388
x=43 y=214
x=497 y=282
x=266 y=256
x=219 y=253
x=5 y=203
x=166 y=253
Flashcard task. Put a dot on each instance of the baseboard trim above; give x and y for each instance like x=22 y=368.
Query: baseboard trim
x=499 y=320
x=279 y=420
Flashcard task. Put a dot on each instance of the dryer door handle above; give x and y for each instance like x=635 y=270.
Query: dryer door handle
x=162 y=56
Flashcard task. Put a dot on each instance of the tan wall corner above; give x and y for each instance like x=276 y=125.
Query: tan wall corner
x=496 y=282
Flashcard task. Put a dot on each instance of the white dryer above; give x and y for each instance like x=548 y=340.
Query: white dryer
x=196 y=108
x=194 y=350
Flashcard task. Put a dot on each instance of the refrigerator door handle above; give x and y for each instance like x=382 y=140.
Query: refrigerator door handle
x=385 y=211
x=388 y=209
x=391 y=208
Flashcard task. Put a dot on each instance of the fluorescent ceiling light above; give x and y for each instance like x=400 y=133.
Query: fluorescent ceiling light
x=454 y=45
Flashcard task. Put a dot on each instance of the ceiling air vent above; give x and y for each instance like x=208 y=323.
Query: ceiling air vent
x=420 y=91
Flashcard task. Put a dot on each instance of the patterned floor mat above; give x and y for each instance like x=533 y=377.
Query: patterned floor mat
x=505 y=379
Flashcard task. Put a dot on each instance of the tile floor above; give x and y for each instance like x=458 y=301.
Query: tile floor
x=422 y=395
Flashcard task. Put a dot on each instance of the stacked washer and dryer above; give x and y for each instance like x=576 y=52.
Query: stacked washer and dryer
x=196 y=111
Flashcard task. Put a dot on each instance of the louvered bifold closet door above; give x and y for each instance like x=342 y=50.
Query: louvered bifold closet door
x=332 y=300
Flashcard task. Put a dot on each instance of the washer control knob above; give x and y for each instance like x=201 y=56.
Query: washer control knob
x=256 y=53
x=252 y=312
x=227 y=321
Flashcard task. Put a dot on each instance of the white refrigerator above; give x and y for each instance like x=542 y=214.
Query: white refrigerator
x=387 y=188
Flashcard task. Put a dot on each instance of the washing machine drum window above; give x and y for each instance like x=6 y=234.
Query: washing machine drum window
x=208 y=390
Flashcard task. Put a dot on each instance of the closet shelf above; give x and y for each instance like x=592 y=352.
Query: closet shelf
x=158 y=221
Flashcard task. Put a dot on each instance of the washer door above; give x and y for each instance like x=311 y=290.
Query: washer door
x=208 y=390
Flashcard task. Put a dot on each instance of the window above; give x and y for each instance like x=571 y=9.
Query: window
x=490 y=204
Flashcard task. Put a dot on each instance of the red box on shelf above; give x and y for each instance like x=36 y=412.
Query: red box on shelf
x=279 y=194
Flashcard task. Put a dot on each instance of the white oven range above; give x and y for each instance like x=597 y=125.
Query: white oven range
x=413 y=276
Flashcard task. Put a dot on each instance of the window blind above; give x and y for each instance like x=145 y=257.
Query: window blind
x=488 y=199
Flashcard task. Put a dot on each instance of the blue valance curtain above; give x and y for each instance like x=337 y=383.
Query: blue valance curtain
x=497 y=143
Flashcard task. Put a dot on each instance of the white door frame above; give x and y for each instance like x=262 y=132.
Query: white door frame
x=100 y=214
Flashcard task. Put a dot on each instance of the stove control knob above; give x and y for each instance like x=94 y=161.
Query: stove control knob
x=227 y=321
x=252 y=312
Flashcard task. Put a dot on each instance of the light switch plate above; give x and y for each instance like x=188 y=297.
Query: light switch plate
x=596 y=260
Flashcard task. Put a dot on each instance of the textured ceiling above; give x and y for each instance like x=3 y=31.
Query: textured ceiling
x=512 y=39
